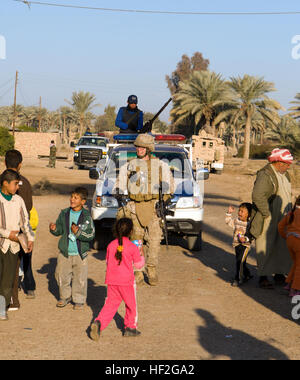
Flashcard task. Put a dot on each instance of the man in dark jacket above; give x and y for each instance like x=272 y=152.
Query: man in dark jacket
x=130 y=119
x=13 y=160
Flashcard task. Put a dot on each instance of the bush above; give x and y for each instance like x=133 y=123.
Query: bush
x=24 y=128
x=7 y=141
x=258 y=152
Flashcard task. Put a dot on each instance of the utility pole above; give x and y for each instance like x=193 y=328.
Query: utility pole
x=15 y=104
x=40 y=114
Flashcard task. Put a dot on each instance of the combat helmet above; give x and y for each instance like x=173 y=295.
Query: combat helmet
x=144 y=140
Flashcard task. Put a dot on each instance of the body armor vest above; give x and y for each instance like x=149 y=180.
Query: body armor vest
x=144 y=178
x=131 y=118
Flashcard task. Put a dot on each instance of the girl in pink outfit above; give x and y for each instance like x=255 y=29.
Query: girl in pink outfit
x=120 y=280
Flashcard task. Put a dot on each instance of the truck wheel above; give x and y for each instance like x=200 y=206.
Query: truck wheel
x=194 y=242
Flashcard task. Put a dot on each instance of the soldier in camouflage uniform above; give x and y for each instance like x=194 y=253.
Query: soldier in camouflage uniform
x=52 y=157
x=141 y=177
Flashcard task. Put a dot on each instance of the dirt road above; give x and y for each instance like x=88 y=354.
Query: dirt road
x=194 y=313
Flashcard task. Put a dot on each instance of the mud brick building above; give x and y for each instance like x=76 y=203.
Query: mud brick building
x=33 y=144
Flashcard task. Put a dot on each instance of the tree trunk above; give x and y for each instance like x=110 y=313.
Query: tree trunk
x=81 y=127
x=213 y=127
x=253 y=136
x=64 y=130
x=247 y=138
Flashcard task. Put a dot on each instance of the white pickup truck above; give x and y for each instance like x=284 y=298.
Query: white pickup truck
x=186 y=203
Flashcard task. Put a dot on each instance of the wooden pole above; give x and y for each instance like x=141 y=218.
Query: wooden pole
x=15 y=104
x=40 y=114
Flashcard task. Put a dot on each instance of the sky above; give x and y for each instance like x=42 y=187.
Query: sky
x=115 y=54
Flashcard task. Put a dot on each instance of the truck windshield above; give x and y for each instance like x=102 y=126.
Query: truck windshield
x=177 y=161
x=92 y=142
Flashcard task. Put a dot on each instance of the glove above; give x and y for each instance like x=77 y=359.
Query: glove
x=147 y=127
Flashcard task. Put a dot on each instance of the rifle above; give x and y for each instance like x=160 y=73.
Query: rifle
x=121 y=199
x=162 y=211
x=148 y=125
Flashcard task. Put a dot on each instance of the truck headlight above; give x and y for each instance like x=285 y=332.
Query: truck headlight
x=106 y=201
x=190 y=202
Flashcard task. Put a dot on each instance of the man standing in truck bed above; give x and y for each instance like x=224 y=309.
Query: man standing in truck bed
x=130 y=119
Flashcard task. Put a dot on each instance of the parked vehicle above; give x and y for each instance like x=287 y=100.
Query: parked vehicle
x=89 y=150
x=208 y=151
x=186 y=203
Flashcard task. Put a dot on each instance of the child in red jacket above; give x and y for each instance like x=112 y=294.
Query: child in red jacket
x=121 y=255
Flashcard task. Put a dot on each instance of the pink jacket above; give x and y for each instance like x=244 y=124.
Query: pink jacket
x=122 y=274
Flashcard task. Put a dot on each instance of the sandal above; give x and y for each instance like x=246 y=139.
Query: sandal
x=63 y=303
x=294 y=292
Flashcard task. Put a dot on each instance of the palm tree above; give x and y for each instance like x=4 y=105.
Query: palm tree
x=285 y=133
x=28 y=116
x=203 y=96
x=53 y=120
x=38 y=114
x=251 y=96
x=295 y=109
x=68 y=116
x=5 y=117
x=82 y=104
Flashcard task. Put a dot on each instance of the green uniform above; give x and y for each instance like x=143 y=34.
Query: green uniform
x=52 y=157
x=142 y=178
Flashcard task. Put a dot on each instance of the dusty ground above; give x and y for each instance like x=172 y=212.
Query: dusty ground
x=194 y=313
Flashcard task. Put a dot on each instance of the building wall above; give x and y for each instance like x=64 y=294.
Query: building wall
x=32 y=144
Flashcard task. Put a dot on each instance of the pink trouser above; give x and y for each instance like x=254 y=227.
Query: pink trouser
x=115 y=295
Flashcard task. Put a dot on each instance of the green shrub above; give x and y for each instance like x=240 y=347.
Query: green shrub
x=258 y=152
x=24 y=128
x=7 y=141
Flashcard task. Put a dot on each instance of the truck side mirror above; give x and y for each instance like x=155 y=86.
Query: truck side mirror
x=202 y=174
x=93 y=173
x=72 y=145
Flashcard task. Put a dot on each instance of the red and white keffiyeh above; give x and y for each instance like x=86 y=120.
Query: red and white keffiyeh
x=281 y=155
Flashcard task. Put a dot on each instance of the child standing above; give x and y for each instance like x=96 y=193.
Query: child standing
x=241 y=241
x=121 y=286
x=14 y=161
x=289 y=229
x=76 y=227
x=13 y=217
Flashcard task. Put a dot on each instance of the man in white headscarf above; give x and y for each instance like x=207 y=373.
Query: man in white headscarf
x=272 y=199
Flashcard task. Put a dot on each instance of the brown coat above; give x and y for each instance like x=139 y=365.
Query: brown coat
x=25 y=192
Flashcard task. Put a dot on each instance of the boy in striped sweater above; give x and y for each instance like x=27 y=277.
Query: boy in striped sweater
x=241 y=241
x=13 y=217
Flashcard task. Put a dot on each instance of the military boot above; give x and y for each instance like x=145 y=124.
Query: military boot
x=139 y=277
x=152 y=276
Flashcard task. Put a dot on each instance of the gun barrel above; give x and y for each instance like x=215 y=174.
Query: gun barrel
x=163 y=214
x=160 y=111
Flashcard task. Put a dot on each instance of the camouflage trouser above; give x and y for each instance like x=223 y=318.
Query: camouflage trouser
x=52 y=161
x=151 y=235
